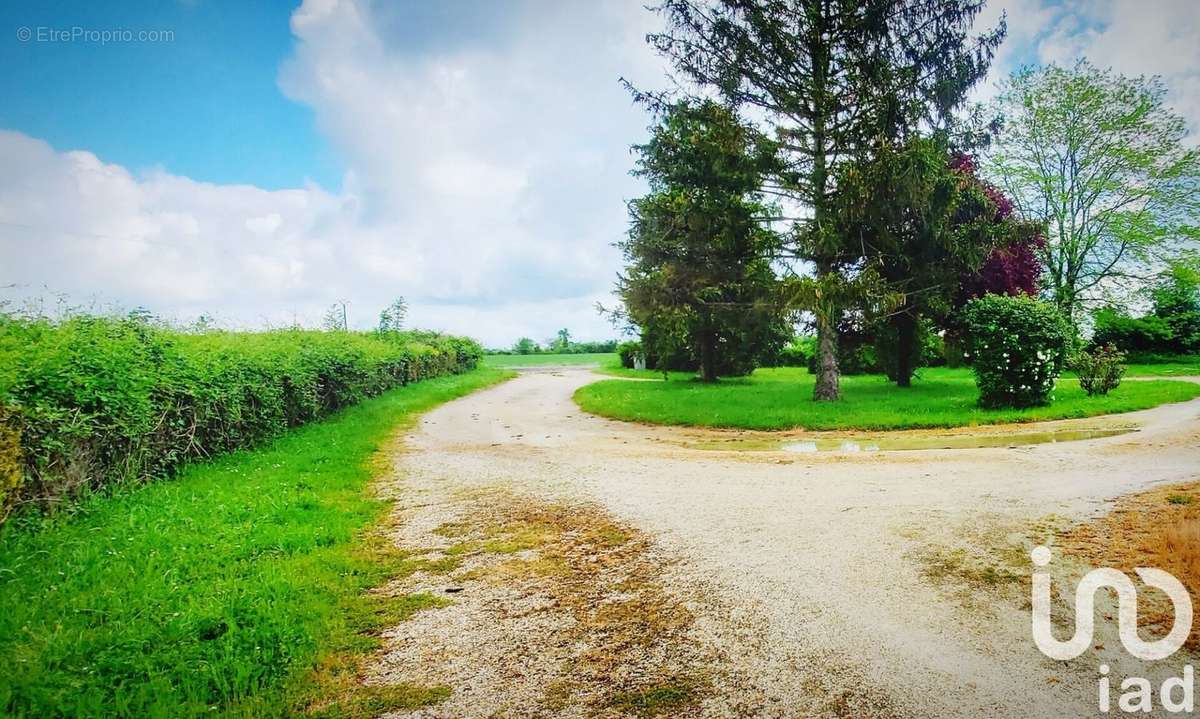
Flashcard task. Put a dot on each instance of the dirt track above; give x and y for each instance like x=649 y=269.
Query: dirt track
x=827 y=584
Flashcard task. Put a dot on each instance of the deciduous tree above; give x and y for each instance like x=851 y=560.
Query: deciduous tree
x=1101 y=161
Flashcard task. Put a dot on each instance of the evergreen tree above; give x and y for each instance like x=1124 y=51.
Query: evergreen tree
x=922 y=222
x=698 y=275
x=830 y=78
x=391 y=318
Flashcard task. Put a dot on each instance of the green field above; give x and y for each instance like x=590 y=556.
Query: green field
x=217 y=593
x=1167 y=369
x=782 y=399
x=549 y=360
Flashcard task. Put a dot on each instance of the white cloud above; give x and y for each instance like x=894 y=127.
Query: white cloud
x=265 y=225
x=485 y=172
x=484 y=181
x=74 y=223
x=1133 y=37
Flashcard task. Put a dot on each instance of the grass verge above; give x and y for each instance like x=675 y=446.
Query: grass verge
x=1157 y=528
x=782 y=399
x=550 y=360
x=237 y=589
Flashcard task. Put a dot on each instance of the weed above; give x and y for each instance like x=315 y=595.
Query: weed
x=958 y=564
x=656 y=700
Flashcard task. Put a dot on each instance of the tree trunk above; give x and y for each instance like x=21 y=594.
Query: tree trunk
x=708 y=357
x=826 y=387
x=906 y=337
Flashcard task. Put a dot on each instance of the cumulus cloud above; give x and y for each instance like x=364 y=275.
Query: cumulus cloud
x=1133 y=37
x=77 y=224
x=485 y=148
x=485 y=181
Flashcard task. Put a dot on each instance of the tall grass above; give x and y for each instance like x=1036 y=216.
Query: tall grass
x=1157 y=528
x=1176 y=545
x=236 y=590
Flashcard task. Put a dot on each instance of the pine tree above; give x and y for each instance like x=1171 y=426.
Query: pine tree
x=830 y=78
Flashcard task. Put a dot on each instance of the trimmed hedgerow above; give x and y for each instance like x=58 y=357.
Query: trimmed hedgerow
x=1018 y=347
x=97 y=401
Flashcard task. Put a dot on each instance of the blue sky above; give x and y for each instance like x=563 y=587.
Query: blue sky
x=204 y=104
x=471 y=155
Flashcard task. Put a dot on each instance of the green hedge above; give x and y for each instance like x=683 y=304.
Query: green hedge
x=97 y=401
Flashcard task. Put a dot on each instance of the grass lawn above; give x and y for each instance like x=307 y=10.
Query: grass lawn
x=1184 y=366
x=782 y=399
x=545 y=360
x=235 y=589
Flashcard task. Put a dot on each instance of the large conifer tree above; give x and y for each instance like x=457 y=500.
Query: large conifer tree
x=830 y=78
x=699 y=277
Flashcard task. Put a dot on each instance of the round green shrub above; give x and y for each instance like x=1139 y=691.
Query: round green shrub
x=797 y=352
x=1017 y=346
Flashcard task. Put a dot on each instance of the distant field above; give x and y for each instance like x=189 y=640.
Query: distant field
x=549 y=360
x=1182 y=367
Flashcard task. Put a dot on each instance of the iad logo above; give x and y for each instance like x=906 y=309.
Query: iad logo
x=1177 y=694
x=1085 y=615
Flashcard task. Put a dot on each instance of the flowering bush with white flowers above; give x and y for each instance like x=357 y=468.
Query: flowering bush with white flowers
x=1018 y=346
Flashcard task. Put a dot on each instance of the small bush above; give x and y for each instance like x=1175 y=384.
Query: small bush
x=1017 y=347
x=628 y=351
x=1100 y=370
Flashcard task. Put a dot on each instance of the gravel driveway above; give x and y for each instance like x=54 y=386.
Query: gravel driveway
x=823 y=569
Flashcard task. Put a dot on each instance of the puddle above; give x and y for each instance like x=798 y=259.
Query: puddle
x=904 y=442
